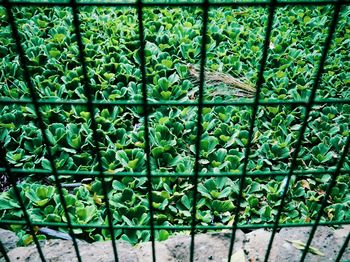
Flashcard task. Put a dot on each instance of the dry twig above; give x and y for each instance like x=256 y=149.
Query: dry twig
x=236 y=86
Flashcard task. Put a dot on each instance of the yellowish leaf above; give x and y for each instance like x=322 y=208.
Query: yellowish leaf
x=87 y=186
x=27 y=239
x=230 y=223
x=97 y=199
x=305 y=184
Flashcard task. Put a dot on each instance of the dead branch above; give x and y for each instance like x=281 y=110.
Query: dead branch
x=236 y=87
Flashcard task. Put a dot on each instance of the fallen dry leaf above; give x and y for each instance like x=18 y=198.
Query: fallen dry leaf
x=300 y=245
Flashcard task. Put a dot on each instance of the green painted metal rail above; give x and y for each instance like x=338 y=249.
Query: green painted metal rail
x=272 y=5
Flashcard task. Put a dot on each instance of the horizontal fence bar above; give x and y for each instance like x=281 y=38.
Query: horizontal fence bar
x=184 y=4
x=270 y=102
x=41 y=172
x=158 y=227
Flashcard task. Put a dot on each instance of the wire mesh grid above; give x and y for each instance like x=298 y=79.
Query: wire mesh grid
x=91 y=104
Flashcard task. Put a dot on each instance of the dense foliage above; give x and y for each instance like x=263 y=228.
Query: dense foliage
x=173 y=40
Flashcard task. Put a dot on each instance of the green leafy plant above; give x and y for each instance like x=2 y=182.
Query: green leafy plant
x=173 y=40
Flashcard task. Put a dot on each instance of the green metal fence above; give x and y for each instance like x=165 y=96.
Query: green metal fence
x=91 y=104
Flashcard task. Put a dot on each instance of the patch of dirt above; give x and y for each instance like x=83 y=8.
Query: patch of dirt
x=208 y=247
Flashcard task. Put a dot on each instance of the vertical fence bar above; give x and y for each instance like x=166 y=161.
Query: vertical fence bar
x=342 y=249
x=90 y=96
x=260 y=81
x=195 y=177
x=40 y=121
x=332 y=183
x=146 y=125
x=4 y=253
x=13 y=181
x=308 y=109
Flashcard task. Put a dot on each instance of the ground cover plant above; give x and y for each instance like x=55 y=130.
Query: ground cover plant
x=173 y=40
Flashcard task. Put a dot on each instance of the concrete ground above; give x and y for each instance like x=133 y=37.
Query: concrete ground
x=250 y=247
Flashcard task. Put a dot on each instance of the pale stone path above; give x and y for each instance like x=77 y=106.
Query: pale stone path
x=209 y=247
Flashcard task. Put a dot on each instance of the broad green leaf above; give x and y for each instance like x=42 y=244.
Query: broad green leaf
x=163 y=235
x=186 y=201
